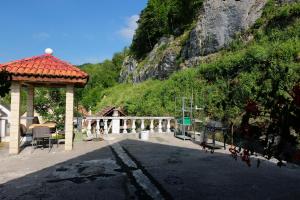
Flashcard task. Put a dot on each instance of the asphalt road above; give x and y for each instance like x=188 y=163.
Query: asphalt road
x=162 y=168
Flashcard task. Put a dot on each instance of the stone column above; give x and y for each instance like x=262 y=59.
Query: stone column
x=116 y=122
x=169 y=126
x=143 y=124
x=133 y=126
x=125 y=126
x=152 y=126
x=30 y=104
x=69 y=117
x=160 y=126
x=14 y=137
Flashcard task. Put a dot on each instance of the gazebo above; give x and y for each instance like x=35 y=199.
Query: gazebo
x=42 y=71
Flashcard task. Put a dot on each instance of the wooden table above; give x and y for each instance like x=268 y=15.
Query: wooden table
x=50 y=125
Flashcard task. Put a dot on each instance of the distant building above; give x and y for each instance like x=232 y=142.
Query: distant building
x=4 y=122
x=113 y=125
x=111 y=111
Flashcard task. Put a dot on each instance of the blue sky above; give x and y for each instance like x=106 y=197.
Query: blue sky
x=79 y=31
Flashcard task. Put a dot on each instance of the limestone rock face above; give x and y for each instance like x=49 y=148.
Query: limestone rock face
x=219 y=22
x=128 y=68
x=159 y=64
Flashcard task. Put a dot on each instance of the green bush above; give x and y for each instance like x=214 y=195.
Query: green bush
x=162 y=17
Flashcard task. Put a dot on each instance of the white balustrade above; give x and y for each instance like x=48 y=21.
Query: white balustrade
x=152 y=126
x=107 y=122
x=105 y=127
x=133 y=126
x=89 y=129
x=169 y=126
x=142 y=124
x=97 y=127
x=125 y=126
x=160 y=126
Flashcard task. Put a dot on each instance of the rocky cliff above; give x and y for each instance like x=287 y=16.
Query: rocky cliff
x=216 y=25
x=159 y=64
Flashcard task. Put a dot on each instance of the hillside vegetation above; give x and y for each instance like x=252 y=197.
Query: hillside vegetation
x=160 y=18
x=254 y=85
x=266 y=66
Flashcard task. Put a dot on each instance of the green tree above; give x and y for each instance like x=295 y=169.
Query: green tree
x=5 y=82
x=101 y=76
x=50 y=103
x=159 y=18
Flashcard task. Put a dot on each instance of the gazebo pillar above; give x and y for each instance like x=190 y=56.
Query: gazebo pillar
x=30 y=104
x=69 y=117
x=14 y=137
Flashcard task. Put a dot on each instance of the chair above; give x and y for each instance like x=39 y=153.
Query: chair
x=39 y=134
x=23 y=130
x=52 y=125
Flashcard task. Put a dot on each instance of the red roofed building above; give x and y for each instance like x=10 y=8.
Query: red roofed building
x=41 y=71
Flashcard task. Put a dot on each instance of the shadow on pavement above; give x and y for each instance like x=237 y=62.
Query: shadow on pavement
x=177 y=172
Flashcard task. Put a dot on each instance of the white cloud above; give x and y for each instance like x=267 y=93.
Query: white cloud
x=128 y=31
x=41 y=36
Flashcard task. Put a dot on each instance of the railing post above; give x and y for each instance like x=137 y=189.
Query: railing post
x=105 y=127
x=97 y=127
x=89 y=129
x=152 y=126
x=133 y=126
x=169 y=126
x=160 y=126
x=125 y=126
x=143 y=124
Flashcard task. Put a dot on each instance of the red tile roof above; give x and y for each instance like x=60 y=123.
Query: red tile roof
x=45 y=66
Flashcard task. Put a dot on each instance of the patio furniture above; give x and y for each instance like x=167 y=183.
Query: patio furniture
x=25 y=134
x=211 y=128
x=50 y=125
x=58 y=139
x=23 y=130
x=40 y=133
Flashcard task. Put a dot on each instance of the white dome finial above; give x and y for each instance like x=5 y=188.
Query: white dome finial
x=49 y=51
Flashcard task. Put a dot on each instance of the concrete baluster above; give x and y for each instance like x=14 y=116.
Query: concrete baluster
x=125 y=126
x=160 y=126
x=143 y=125
x=89 y=129
x=169 y=126
x=97 y=127
x=133 y=126
x=105 y=127
x=152 y=126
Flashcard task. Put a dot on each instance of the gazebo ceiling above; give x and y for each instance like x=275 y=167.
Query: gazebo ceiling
x=45 y=69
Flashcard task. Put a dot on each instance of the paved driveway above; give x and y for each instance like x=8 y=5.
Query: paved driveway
x=127 y=168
